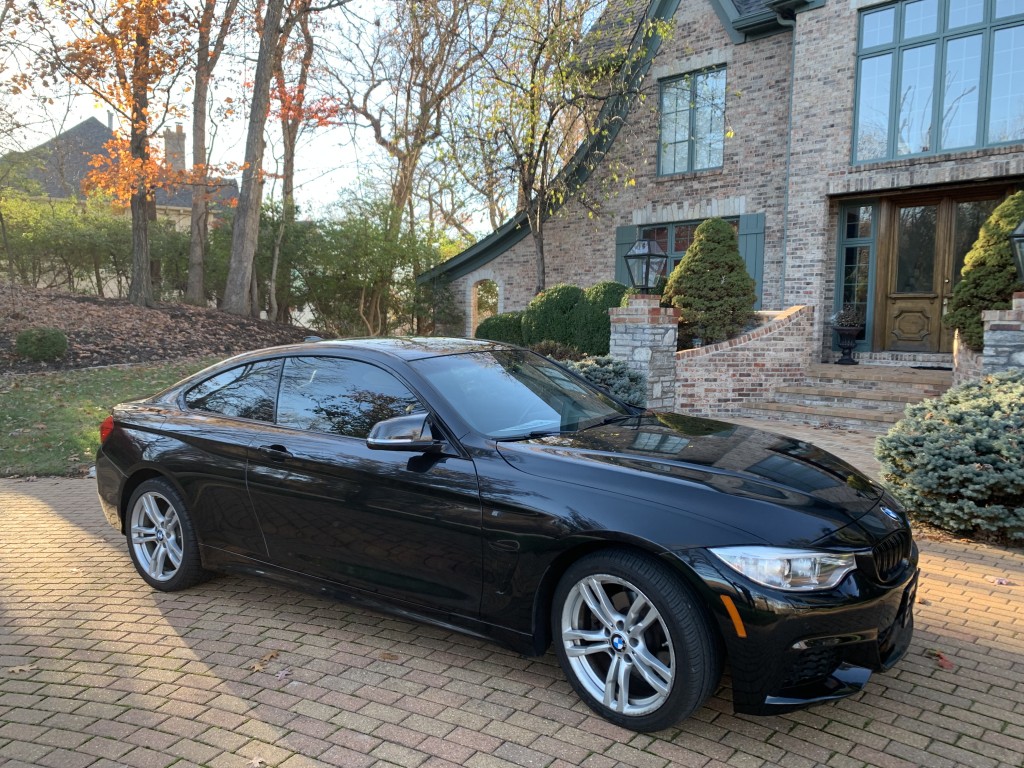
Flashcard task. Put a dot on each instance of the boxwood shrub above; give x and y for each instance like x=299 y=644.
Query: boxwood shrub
x=591 y=326
x=955 y=461
x=546 y=317
x=41 y=344
x=507 y=327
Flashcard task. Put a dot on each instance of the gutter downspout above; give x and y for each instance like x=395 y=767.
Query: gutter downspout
x=791 y=23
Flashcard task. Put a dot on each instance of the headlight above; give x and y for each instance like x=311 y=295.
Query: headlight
x=800 y=570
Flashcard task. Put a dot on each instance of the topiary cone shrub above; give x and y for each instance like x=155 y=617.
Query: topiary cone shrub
x=989 y=274
x=546 y=317
x=41 y=344
x=956 y=462
x=711 y=286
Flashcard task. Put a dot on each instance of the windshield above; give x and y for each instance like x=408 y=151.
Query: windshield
x=508 y=394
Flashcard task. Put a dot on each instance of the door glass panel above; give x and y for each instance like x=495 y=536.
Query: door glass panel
x=876 y=27
x=915 y=267
x=875 y=81
x=963 y=13
x=969 y=218
x=917 y=81
x=960 y=92
x=343 y=397
x=1006 y=105
x=856 y=262
x=920 y=18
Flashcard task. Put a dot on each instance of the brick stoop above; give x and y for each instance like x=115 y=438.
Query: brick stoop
x=871 y=397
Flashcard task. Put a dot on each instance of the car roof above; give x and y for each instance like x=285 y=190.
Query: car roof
x=412 y=347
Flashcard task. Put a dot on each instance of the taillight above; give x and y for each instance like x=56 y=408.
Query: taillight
x=106 y=428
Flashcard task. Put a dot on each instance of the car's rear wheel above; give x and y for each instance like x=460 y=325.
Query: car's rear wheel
x=633 y=641
x=161 y=540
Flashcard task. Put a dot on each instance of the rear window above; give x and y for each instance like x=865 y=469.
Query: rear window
x=245 y=392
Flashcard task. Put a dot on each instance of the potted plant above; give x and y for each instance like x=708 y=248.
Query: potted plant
x=847 y=323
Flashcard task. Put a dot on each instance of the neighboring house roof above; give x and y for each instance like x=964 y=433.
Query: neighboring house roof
x=742 y=19
x=60 y=165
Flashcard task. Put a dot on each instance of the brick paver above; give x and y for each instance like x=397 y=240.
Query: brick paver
x=115 y=674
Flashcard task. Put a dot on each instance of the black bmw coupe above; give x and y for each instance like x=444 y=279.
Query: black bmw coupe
x=481 y=486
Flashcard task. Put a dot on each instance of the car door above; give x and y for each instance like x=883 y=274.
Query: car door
x=205 y=448
x=401 y=525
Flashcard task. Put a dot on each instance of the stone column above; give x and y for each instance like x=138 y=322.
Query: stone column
x=1004 y=337
x=644 y=337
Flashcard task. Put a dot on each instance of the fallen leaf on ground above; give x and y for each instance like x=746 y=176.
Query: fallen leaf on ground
x=283 y=674
x=22 y=668
x=270 y=656
x=387 y=656
x=924 y=601
x=1001 y=582
x=256 y=762
x=940 y=658
x=258 y=666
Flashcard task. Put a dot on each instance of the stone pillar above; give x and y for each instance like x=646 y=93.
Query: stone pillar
x=1004 y=337
x=644 y=337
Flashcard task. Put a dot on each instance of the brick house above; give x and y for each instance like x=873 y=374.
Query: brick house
x=868 y=142
x=59 y=166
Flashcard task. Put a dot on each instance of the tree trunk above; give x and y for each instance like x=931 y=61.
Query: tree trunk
x=237 y=292
x=140 y=292
x=195 y=292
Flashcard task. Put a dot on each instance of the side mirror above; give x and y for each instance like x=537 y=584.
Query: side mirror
x=404 y=433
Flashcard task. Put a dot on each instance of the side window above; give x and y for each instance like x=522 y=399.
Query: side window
x=342 y=397
x=245 y=392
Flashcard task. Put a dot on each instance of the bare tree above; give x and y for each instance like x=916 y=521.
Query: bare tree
x=209 y=48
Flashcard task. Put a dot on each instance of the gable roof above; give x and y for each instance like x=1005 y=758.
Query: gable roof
x=742 y=19
x=60 y=165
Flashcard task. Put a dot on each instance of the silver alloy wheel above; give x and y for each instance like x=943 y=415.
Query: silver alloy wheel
x=617 y=644
x=156 y=535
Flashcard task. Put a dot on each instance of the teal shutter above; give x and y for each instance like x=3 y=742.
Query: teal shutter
x=751 y=237
x=624 y=239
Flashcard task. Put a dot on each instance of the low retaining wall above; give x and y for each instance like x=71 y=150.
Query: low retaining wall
x=718 y=379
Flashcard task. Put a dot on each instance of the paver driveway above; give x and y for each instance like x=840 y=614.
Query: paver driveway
x=96 y=669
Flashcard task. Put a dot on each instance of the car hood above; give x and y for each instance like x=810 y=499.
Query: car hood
x=783 y=490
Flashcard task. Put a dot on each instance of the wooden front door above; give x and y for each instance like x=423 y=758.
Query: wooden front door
x=922 y=249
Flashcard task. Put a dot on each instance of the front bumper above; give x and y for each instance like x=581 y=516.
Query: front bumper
x=804 y=648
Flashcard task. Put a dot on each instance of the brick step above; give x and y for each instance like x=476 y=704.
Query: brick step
x=880 y=374
x=878 y=420
x=833 y=397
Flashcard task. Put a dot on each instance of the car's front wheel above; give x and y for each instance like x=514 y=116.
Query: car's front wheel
x=161 y=540
x=633 y=641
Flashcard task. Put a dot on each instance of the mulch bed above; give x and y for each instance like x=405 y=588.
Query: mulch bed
x=114 y=332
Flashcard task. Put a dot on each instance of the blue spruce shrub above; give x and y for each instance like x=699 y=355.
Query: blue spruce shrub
x=613 y=376
x=957 y=462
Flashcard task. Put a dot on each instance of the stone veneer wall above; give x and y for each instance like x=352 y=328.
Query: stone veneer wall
x=718 y=379
x=1004 y=337
x=644 y=336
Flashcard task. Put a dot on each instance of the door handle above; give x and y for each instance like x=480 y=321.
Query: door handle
x=275 y=452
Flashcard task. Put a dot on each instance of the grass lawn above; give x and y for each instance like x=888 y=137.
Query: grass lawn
x=49 y=422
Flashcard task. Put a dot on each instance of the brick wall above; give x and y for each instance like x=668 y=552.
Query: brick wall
x=716 y=380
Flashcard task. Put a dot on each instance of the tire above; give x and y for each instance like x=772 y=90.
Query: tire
x=161 y=540
x=621 y=615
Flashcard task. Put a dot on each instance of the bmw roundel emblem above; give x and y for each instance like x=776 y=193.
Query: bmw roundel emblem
x=891 y=514
x=618 y=643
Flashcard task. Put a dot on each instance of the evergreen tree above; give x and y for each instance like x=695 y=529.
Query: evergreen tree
x=989 y=274
x=711 y=286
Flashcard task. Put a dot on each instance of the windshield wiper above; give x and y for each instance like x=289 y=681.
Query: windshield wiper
x=612 y=420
